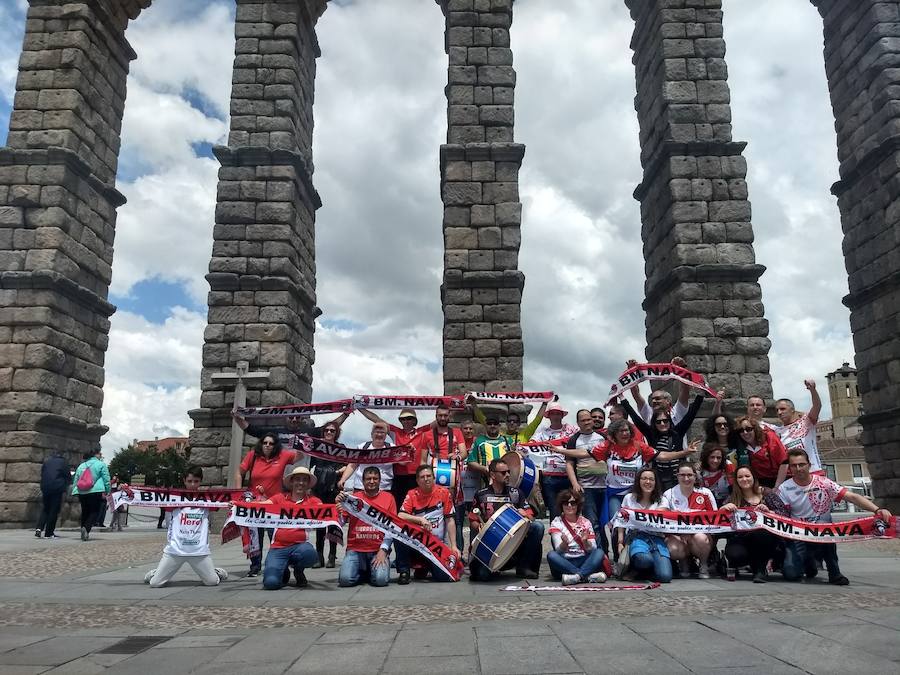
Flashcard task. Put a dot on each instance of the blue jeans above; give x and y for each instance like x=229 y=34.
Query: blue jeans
x=594 y=511
x=551 y=486
x=298 y=556
x=658 y=565
x=800 y=557
x=357 y=563
x=528 y=557
x=583 y=565
x=404 y=560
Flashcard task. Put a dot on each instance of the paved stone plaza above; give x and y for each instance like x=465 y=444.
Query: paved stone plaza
x=67 y=607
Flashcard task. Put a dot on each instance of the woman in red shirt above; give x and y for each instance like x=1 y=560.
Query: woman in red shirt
x=263 y=469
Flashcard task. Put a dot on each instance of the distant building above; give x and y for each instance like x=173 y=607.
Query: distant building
x=838 y=438
x=177 y=443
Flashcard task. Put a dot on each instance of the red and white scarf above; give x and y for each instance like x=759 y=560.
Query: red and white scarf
x=396 y=402
x=511 y=397
x=212 y=498
x=656 y=371
x=257 y=514
x=744 y=520
x=418 y=539
x=335 y=452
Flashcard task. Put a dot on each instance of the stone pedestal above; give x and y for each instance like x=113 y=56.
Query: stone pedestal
x=861 y=53
x=703 y=299
x=482 y=289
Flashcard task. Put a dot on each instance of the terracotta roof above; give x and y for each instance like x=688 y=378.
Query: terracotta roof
x=163 y=444
x=836 y=449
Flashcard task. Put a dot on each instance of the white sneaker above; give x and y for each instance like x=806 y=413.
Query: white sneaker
x=149 y=576
x=223 y=575
x=597 y=578
x=703 y=573
x=570 y=579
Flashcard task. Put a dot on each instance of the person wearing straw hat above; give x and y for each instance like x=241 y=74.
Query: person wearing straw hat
x=290 y=546
x=554 y=476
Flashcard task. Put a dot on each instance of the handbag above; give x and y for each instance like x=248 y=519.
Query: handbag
x=86 y=480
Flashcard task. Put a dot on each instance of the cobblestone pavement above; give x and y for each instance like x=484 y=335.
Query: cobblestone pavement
x=53 y=561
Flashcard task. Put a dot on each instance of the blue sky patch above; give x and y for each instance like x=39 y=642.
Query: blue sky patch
x=154 y=298
x=342 y=324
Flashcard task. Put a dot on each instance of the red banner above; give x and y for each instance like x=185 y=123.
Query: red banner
x=395 y=402
x=656 y=371
x=286 y=418
x=511 y=397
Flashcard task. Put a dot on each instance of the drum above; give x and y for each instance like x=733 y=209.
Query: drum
x=500 y=537
x=444 y=473
x=523 y=474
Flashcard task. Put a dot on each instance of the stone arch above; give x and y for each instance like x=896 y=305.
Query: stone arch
x=57 y=222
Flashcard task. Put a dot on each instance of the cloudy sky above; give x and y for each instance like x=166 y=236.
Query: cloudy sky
x=380 y=118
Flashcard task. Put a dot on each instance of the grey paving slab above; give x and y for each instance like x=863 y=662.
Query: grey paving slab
x=780 y=669
x=669 y=624
x=799 y=647
x=704 y=648
x=869 y=638
x=192 y=641
x=525 y=654
x=432 y=666
x=343 y=659
x=581 y=636
x=354 y=634
x=14 y=641
x=261 y=647
x=166 y=661
x=23 y=670
x=890 y=618
x=447 y=641
x=491 y=629
x=820 y=619
x=234 y=668
x=612 y=658
x=55 y=651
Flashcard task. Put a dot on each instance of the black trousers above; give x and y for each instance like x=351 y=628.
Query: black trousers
x=400 y=486
x=754 y=548
x=90 y=508
x=51 y=503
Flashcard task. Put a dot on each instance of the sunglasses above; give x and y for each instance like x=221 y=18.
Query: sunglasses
x=571 y=502
x=502 y=472
x=745 y=430
x=722 y=425
x=268 y=443
x=661 y=420
x=331 y=431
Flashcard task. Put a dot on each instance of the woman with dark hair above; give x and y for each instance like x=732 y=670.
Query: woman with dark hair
x=716 y=471
x=666 y=436
x=684 y=497
x=262 y=470
x=647 y=551
x=721 y=431
x=756 y=547
x=325 y=487
x=574 y=556
x=766 y=452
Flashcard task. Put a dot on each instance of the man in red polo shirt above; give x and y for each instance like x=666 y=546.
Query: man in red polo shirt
x=367 y=548
x=404 y=472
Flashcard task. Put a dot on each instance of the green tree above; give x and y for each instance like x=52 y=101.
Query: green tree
x=162 y=469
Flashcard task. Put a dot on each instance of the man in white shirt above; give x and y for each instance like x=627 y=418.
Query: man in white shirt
x=810 y=497
x=798 y=430
x=553 y=470
x=188 y=542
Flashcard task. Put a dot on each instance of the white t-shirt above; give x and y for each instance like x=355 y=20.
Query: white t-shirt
x=677 y=412
x=700 y=499
x=583 y=529
x=811 y=502
x=188 y=532
x=631 y=502
x=355 y=481
x=800 y=435
x=552 y=463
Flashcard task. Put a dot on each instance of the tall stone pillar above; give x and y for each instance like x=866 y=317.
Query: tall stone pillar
x=703 y=299
x=861 y=53
x=57 y=222
x=482 y=286
x=262 y=301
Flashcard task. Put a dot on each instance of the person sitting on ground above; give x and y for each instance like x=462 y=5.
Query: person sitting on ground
x=487 y=501
x=687 y=496
x=431 y=507
x=755 y=547
x=811 y=497
x=767 y=455
x=368 y=549
x=647 y=552
x=575 y=556
x=290 y=548
x=187 y=541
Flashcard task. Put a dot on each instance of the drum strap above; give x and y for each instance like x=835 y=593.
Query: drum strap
x=437 y=444
x=578 y=540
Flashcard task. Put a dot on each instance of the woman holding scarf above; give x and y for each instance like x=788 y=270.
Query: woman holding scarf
x=325 y=487
x=574 y=556
x=647 y=552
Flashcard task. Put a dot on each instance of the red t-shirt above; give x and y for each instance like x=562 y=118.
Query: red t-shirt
x=268 y=472
x=288 y=536
x=769 y=457
x=436 y=507
x=362 y=537
x=446 y=446
x=402 y=437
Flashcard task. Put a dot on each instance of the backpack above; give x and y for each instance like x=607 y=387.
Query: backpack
x=86 y=480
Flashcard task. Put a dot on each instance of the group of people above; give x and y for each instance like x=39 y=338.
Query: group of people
x=635 y=457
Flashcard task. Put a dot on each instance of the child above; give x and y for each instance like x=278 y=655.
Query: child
x=188 y=542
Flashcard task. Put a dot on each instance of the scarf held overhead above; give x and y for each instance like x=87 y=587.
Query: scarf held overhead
x=511 y=397
x=744 y=520
x=656 y=371
x=335 y=452
x=394 y=402
x=286 y=418
x=418 y=539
